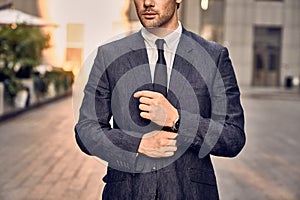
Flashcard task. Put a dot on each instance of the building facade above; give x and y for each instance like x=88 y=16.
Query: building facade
x=28 y=6
x=263 y=36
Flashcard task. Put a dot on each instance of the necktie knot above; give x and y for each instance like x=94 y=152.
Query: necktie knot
x=160 y=44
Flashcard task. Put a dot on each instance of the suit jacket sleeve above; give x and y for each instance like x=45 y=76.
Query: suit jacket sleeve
x=223 y=133
x=93 y=132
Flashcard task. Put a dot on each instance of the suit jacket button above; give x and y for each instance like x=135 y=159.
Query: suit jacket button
x=154 y=168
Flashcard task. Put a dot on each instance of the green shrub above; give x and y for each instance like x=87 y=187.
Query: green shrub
x=21 y=50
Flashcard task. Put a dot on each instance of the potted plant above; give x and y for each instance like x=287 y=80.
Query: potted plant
x=23 y=45
x=21 y=50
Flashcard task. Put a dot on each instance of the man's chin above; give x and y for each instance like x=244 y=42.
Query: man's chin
x=151 y=27
x=148 y=24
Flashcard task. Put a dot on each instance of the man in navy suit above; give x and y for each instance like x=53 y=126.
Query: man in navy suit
x=174 y=100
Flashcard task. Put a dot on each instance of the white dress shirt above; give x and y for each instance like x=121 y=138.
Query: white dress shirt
x=170 y=46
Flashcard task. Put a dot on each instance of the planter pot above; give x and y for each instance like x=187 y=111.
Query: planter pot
x=21 y=100
x=51 y=90
x=28 y=83
x=1 y=98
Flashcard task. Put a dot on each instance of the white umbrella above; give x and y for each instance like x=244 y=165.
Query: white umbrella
x=12 y=16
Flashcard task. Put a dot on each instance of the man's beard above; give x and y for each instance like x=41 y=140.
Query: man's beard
x=159 y=21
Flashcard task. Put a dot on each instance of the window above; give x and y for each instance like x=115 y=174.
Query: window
x=74 y=48
x=269 y=0
x=212 y=20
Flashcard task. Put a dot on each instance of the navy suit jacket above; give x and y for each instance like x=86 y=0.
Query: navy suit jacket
x=202 y=87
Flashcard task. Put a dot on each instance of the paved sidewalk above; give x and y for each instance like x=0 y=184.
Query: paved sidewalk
x=268 y=168
x=271 y=93
x=40 y=160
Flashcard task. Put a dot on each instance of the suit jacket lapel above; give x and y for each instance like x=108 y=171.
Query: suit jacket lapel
x=139 y=60
x=139 y=64
x=180 y=71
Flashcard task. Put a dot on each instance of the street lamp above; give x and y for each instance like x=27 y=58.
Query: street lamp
x=204 y=4
x=204 y=7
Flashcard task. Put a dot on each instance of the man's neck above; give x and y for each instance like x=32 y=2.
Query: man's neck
x=162 y=32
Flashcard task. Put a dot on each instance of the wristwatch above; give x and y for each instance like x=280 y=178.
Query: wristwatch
x=176 y=124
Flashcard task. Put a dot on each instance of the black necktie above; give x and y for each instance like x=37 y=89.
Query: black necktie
x=160 y=73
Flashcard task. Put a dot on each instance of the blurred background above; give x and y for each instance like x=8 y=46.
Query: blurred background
x=44 y=44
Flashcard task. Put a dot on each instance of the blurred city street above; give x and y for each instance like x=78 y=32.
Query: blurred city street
x=269 y=165
x=39 y=158
x=45 y=45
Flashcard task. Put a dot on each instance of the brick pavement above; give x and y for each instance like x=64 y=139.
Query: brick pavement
x=268 y=168
x=40 y=160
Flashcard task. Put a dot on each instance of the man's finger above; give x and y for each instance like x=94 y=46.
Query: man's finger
x=168 y=142
x=172 y=143
x=167 y=154
x=144 y=107
x=145 y=115
x=169 y=149
x=145 y=100
x=169 y=135
x=161 y=155
x=146 y=93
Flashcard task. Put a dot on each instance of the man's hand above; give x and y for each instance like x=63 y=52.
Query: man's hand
x=158 y=144
x=157 y=108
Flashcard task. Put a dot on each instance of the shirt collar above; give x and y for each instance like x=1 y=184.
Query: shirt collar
x=171 y=39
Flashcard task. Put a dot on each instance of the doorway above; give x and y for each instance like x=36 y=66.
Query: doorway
x=267 y=54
